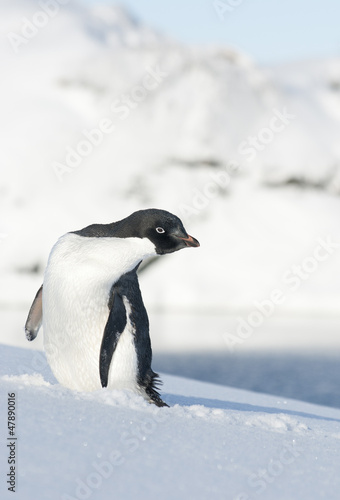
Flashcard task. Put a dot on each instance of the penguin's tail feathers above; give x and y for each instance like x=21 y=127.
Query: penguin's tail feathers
x=152 y=382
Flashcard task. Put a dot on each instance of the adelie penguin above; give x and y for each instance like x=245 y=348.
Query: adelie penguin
x=96 y=328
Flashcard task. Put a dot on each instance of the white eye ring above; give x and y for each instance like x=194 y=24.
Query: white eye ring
x=160 y=230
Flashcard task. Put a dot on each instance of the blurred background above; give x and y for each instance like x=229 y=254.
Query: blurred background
x=226 y=113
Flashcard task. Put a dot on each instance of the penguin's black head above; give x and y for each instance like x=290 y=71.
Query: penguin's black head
x=162 y=228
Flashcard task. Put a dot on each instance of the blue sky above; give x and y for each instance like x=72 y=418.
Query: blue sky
x=269 y=30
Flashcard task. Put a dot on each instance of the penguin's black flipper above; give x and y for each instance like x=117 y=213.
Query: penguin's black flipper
x=34 y=318
x=114 y=328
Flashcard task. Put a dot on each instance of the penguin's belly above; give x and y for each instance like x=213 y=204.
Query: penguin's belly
x=73 y=334
x=76 y=289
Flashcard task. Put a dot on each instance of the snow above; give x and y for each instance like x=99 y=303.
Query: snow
x=249 y=158
x=213 y=441
x=177 y=141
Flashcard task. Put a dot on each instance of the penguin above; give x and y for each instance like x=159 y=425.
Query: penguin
x=96 y=328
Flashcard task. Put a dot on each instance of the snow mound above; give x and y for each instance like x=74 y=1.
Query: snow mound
x=26 y=380
x=211 y=440
x=277 y=423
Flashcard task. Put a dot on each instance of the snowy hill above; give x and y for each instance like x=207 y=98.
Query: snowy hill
x=213 y=442
x=312 y=90
x=103 y=116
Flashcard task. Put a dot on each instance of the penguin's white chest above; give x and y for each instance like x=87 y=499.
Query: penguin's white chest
x=77 y=284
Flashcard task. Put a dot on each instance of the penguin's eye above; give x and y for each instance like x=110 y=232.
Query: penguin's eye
x=160 y=230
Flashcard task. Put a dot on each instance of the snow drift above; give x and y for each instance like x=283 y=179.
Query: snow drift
x=212 y=442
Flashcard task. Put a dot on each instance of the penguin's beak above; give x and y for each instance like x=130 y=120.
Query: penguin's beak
x=189 y=241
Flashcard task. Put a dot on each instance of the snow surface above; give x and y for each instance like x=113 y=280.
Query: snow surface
x=213 y=441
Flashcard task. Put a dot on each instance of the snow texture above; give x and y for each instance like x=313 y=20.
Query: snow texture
x=213 y=441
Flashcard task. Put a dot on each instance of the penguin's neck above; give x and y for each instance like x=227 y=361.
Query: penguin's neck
x=99 y=259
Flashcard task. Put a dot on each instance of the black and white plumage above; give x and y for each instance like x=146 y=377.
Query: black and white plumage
x=96 y=328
